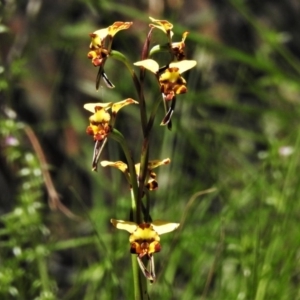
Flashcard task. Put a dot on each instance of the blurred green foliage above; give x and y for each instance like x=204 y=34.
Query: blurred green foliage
x=237 y=130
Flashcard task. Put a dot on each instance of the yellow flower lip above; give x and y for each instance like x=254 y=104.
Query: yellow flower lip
x=100 y=116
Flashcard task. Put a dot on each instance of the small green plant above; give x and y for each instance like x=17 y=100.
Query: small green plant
x=24 y=270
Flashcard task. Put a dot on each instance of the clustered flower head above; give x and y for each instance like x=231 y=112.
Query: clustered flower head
x=144 y=240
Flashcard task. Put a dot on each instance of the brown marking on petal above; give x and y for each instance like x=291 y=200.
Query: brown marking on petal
x=99 y=131
x=173 y=69
x=152 y=175
x=137 y=249
x=157 y=247
x=133 y=247
x=97 y=108
x=151 y=186
x=89 y=130
x=144 y=225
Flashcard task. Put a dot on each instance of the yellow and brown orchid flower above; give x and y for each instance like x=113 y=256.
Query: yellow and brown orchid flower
x=102 y=122
x=100 y=47
x=145 y=240
x=151 y=183
x=170 y=80
x=99 y=126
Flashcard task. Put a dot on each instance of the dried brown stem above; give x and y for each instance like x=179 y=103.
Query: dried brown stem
x=54 y=201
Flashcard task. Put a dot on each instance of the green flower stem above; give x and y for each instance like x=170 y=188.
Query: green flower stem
x=145 y=154
x=135 y=267
x=152 y=115
x=135 y=271
x=121 y=57
x=117 y=136
x=139 y=281
x=146 y=129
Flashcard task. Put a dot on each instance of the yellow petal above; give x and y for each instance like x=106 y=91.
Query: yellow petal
x=183 y=65
x=149 y=64
x=92 y=107
x=116 y=164
x=162 y=227
x=163 y=25
x=117 y=26
x=184 y=35
x=124 y=225
x=156 y=163
x=118 y=105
